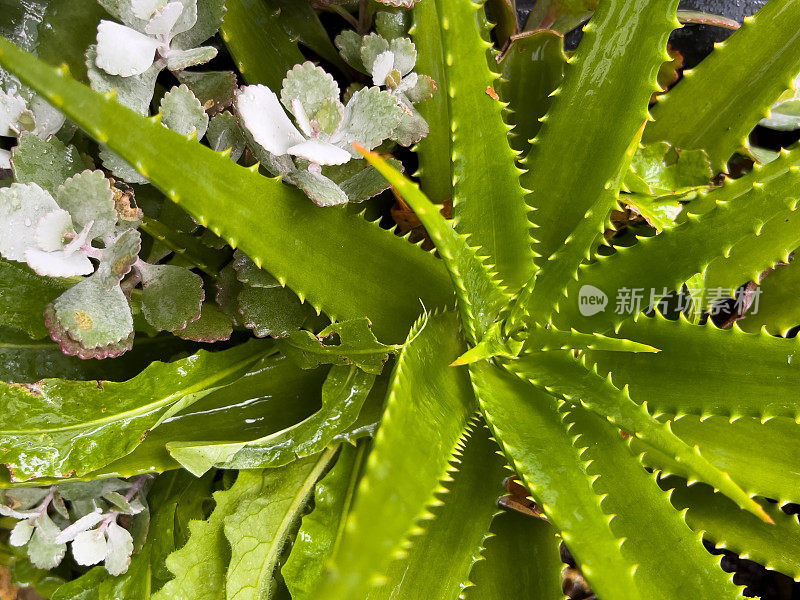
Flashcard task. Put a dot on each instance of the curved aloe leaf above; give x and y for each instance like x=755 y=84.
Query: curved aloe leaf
x=260 y=47
x=343 y=395
x=532 y=67
x=322 y=529
x=624 y=42
x=562 y=376
x=610 y=513
x=769 y=473
x=480 y=298
x=753 y=376
x=488 y=200
x=774 y=546
x=778 y=305
x=662 y=263
x=106 y=420
x=522 y=560
x=319 y=241
x=434 y=151
x=442 y=556
x=422 y=430
x=189 y=247
x=756 y=64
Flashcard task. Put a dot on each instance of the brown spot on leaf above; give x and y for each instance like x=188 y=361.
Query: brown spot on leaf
x=491 y=93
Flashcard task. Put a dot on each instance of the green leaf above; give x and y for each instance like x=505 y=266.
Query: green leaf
x=659 y=169
x=189 y=247
x=774 y=546
x=608 y=509
x=356 y=345
x=778 y=306
x=182 y=112
x=560 y=15
x=322 y=529
x=213 y=88
x=107 y=421
x=88 y=198
x=532 y=68
x=135 y=92
x=224 y=133
x=571 y=204
x=439 y=562
x=47 y=163
x=213 y=325
x=756 y=64
x=343 y=395
x=171 y=296
x=24 y=295
x=503 y=574
x=753 y=376
x=274 y=311
x=259 y=529
x=209 y=19
x=260 y=47
x=426 y=414
x=480 y=297
x=318 y=241
x=488 y=200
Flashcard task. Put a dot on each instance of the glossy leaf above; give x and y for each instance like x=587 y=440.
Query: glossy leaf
x=778 y=308
x=106 y=420
x=343 y=395
x=24 y=296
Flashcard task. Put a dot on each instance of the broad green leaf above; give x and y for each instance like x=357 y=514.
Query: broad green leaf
x=24 y=295
x=659 y=169
x=656 y=265
x=488 y=200
x=260 y=47
x=47 y=163
x=187 y=246
x=343 y=395
x=260 y=527
x=88 y=198
x=607 y=508
x=106 y=420
x=426 y=414
x=440 y=560
x=356 y=345
x=213 y=88
x=182 y=112
x=480 y=297
x=322 y=529
x=209 y=18
x=212 y=325
x=755 y=65
x=522 y=560
x=532 y=68
x=393 y=275
x=774 y=546
x=560 y=15
x=274 y=311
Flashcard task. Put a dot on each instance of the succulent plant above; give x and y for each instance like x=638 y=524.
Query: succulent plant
x=639 y=384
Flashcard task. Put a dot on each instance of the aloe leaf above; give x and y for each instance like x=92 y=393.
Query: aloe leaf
x=106 y=420
x=625 y=41
x=187 y=246
x=322 y=529
x=662 y=263
x=532 y=67
x=756 y=64
x=24 y=295
x=259 y=528
x=769 y=473
x=343 y=395
x=778 y=305
x=562 y=376
x=454 y=536
x=320 y=241
x=480 y=298
x=722 y=522
x=505 y=574
x=422 y=429
x=753 y=376
x=488 y=200
x=261 y=48
x=608 y=510
x=434 y=151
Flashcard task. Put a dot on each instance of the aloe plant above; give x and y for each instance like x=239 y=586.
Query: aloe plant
x=360 y=451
